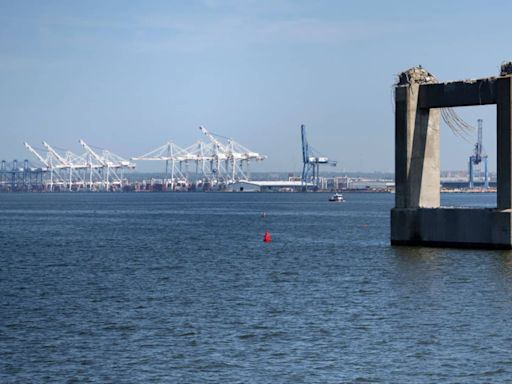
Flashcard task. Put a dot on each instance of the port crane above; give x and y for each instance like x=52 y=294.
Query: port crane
x=109 y=161
x=93 y=170
x=173 y=156
x=219 y=152
x=478 y=157
x=311 y=162
x=218 y=162
x=71 y=162
x=45 y=161
x=230 y=158
x=49 y=166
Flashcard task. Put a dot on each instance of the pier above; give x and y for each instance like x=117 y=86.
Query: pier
x=418 y=218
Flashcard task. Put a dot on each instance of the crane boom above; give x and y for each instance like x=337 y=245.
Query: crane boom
x=54 y=153
x=479 y=144
x=210 y=137
x=478 y=157
x=40 y=158
x=305 y=147
x=94 y=154
x=311 y=161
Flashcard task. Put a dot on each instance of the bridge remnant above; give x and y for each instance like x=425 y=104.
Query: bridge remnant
x=418 y=218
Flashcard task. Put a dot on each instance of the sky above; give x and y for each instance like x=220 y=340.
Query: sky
x=131 y=75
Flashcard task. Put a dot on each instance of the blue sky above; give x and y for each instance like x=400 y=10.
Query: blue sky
x=130 y=75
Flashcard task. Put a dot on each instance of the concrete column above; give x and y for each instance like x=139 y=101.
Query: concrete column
x=504 y=143
x=417 y=160
x=402 y=147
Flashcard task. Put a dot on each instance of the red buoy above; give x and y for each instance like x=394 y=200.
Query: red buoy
x=267 y=238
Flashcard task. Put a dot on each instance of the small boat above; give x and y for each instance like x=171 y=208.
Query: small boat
x=337 y=197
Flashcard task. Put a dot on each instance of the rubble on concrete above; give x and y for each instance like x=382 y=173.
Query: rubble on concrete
x=416 y=75
x=506 y=68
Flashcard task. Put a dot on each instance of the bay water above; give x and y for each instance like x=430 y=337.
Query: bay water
x=180 y=288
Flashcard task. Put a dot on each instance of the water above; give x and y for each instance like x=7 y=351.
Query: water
x=180 y=288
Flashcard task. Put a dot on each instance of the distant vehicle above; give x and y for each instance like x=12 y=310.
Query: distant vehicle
x=337 y=197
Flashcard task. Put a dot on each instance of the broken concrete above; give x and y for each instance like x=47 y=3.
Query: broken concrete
x=417 y=218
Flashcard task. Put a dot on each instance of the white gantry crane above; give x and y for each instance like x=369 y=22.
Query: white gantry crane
x=218 y=155
x=73 y=163
x=110 y=164
x=48 y=167
x=230 y=158
x=174 y=157
x=218 y=162
x=45 y=161
x=74 y=172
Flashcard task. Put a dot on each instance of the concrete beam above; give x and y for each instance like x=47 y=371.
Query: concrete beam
x=417 y=161
x=452 y=227
x=504 y=143
x=458 y=93
x=403 y=147
x=417 y=218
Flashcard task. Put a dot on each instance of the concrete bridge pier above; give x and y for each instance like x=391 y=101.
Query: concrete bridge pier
x=417 y=218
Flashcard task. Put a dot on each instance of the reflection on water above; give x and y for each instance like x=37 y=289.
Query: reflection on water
x=418 y=255
x=503 y=264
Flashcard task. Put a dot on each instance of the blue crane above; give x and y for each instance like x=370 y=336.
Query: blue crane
x=311 y=162
x=476 y=158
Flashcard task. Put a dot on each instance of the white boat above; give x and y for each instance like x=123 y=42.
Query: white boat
x=337 y=197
